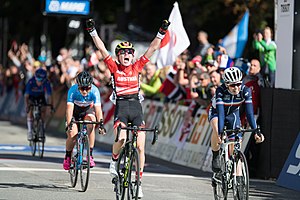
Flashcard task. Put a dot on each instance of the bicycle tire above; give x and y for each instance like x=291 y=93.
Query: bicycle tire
x=40 y=138
x=241 y=190
x=119 y=181
x=134 y=176
x=32 y=143
x=85 y=163
x=73 y=171
x=220 y=187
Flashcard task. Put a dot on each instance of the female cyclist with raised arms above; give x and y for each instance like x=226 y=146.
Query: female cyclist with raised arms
x=125 y=76
x=225 y=110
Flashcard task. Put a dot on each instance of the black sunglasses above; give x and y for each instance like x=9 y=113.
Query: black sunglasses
x=85 y=88
x=235 y=85
x=128 y=51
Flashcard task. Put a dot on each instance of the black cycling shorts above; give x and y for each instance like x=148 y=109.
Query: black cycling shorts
x=38 y=99
x=80 y=112
x=129 y=111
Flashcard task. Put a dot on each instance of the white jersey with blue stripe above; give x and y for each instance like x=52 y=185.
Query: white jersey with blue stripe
x=92 y=98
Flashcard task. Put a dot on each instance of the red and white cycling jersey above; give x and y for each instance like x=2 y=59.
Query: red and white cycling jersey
x=126 y=78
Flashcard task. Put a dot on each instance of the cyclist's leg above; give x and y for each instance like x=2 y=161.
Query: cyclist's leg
x=215 y=140
x=29 y=119
x=119 y=118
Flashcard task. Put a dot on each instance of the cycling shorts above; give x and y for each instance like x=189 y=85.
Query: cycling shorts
x=232 y=121
x=79 y=113
x=128 y=110
x=40 y=99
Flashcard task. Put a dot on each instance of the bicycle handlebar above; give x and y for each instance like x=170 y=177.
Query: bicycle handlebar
x=241 y=130
x=136 y=129
x=86 y=122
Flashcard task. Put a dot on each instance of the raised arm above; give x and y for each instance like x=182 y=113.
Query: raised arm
x=155 y=44
x=90 y=26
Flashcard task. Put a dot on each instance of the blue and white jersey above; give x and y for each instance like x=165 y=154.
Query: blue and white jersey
x=92 y=98
x=32 y=89
x=226 y=107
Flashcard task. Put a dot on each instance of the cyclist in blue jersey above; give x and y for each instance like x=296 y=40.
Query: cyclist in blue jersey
x=225 y=110
x=38 y=88
x=83 y=103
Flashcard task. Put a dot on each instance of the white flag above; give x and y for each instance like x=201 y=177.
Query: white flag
x=175 y=41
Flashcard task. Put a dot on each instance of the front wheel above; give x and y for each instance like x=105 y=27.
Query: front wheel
x=73 y=171
x=40 y=138
x=128 y=168
x=134 y=176
x=85 y=163
x=241 y=179
x=220 y=183
x=33 y=142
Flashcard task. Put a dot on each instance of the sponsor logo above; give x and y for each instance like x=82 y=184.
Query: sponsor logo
x=290 y=173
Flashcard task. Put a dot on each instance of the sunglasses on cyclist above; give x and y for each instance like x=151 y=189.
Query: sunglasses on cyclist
x=39 y=79
x=85 y=88
x=128 y=51
x=235 y=85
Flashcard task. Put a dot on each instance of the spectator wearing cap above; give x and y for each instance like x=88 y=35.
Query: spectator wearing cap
x=201 y=92
x=195 y=63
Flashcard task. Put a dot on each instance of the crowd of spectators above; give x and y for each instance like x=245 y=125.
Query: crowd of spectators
x=191 y=80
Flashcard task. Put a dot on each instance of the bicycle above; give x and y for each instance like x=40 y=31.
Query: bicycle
x=232 y=164
x=80 y=160
x=128 y=165
x=38 y=131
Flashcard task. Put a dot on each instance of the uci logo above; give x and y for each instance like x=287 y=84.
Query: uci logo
x=295 y=169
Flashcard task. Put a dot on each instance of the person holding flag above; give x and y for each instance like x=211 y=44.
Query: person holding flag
x=126 y=89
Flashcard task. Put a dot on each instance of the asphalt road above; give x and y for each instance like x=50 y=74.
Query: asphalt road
x=23 y=176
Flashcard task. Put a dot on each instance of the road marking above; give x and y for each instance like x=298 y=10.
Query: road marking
x=148 y=174
x=60 y=149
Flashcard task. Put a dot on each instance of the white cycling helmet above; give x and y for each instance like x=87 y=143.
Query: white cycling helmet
x=232 y=75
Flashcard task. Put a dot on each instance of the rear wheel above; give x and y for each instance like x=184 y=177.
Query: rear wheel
x=241 y=180
x=73 y=171
x=219 y=182
x=119 y=181
x=85 y=164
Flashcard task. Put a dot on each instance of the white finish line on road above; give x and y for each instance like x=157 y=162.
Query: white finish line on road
x=95 y=172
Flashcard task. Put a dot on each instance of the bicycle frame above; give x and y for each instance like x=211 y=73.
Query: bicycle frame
x=38 y=136
x=233 y=164
x=82 y=149
x=80 y=136
x=129 y=156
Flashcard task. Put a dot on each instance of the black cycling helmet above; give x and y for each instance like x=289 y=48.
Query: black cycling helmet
x=84 y=79
x=40 y=75
x=123 y=45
